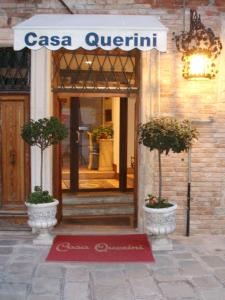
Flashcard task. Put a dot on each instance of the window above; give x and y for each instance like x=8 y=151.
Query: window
x=95 y=71
x=14 y=69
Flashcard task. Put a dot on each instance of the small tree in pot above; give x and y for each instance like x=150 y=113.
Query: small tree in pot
x=164 y=134
x=41 y=206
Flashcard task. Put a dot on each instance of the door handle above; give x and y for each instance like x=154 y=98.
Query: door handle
x=12 y=157
x=78 y=136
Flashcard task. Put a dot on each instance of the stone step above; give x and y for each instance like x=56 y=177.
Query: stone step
x=96 y=210
x=98 y=204
x=103 y=220
x=91 y=198
x=13 y=220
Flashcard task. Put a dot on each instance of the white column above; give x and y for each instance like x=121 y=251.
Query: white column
x=41 y=106
x=149 y=106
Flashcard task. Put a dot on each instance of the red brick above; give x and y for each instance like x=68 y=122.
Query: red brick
x=219 y=3
x=173 y=3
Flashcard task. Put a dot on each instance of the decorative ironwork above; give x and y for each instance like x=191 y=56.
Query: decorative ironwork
x=14 y=69
x=200 y=47
x=95 y=71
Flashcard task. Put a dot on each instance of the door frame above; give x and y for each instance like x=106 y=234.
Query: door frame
x=57 y=160
x=123 y=145
x=74 y=148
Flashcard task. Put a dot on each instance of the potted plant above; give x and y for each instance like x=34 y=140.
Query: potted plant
x=103 y=135
x=164 y=134
x=40 y=204
x=102 y=132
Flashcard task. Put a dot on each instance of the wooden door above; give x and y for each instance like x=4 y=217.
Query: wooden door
x=14 y=154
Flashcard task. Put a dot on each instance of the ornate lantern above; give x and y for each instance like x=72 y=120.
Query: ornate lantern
x=200 y=48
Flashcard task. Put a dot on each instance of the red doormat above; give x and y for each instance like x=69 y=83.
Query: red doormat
x=101 y=248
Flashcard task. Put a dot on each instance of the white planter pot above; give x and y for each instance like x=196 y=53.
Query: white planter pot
x=42 y=218
x=159 y=223
x=105 y=155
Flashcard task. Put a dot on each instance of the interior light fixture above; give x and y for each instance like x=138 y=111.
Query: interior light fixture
x=200 y=47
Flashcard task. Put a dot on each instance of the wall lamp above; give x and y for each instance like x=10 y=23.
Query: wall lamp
x=200 y=47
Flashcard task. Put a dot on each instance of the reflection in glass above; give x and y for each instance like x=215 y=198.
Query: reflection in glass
x=97 y=142
x=96 y=165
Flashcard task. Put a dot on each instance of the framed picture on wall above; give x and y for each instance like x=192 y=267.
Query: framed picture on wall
x=108 y=115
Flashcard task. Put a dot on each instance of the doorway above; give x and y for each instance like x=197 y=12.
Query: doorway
x=94 y=170
x=98 y=154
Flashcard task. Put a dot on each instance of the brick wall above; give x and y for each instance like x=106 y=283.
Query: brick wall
x=202 y=101
x=15 y=10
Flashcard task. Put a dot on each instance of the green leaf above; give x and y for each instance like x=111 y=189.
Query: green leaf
x=39 y=196
x=105 y=132
x=44 y=132
x=167 y=134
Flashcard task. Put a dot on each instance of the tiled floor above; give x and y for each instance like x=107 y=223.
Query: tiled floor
x=194 y=270
x=94 y=179
x=93 y=184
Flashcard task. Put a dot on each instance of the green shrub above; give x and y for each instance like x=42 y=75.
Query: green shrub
x=166 y=134
x=43 y=133
x=39 y=196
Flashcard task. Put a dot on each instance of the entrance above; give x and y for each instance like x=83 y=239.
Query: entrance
x=98 y=155
x=95 y=95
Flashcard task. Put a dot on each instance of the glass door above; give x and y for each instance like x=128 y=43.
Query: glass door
x=96 y=156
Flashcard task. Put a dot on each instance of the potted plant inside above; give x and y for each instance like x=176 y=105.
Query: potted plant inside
x=103 y=135
x=102 y=132
x=163 y=134
x=40 y=204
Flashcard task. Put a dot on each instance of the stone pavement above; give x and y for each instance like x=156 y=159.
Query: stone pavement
x=195 y=269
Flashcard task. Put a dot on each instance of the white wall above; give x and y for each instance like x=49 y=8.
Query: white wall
x=6 y=37
x=145 y=158
x=41 y=106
